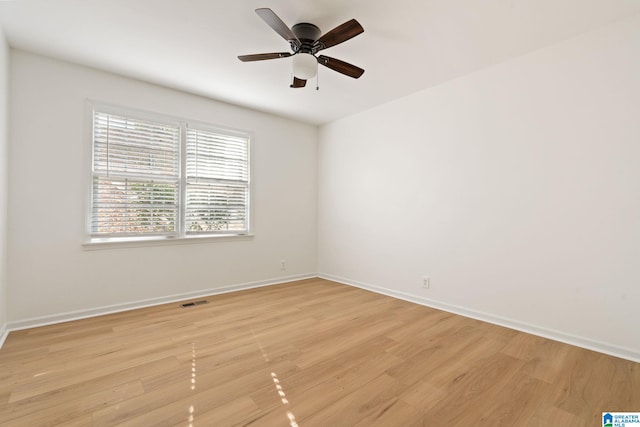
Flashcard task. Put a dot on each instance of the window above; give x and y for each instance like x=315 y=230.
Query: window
x=156 y=177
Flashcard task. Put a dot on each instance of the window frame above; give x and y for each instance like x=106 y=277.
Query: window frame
x=181 y=235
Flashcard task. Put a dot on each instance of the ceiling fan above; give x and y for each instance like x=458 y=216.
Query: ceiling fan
x=306 y=42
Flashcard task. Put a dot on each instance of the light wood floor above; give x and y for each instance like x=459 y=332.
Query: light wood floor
x=309 y=353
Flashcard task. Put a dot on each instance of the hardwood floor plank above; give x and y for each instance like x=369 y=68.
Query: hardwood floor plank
x=471 y=394
x=114 y=388
x=304 y=402
x=230 y=414
x=307 y=353
x=361 y=403
x=72 y=407
x=422 y=396
x=68 y=374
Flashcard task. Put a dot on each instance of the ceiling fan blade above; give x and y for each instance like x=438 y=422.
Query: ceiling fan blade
x=298 y=82
x=277 y=25
x=263 y=56
x=341 y=66
x=341 y=33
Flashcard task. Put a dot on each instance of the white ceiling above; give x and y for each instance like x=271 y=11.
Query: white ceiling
x=192 y=45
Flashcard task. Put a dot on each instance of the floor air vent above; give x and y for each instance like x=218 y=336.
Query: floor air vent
x=194 y=303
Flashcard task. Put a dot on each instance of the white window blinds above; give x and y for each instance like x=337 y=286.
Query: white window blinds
x=155 y=178
x=217 y=182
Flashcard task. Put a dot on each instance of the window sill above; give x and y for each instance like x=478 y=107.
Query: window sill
x=161 y=241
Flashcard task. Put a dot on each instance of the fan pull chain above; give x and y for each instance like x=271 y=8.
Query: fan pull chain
x=317 y=76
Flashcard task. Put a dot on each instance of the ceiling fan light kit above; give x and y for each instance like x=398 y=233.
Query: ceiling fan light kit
x=305 y=66
x=305 y=42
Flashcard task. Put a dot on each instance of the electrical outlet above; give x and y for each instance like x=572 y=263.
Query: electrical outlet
x=283 y=264
x=426 y=282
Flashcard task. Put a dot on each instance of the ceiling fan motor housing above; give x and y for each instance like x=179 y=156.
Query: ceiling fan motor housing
x=307 y=34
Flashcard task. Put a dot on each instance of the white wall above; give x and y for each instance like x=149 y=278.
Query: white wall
x=516 y=189
x=50 y=273
x=4 y=134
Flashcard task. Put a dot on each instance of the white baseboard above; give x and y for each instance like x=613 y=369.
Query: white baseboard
x=100 y=311
x=4 y=333
x=601 y=347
